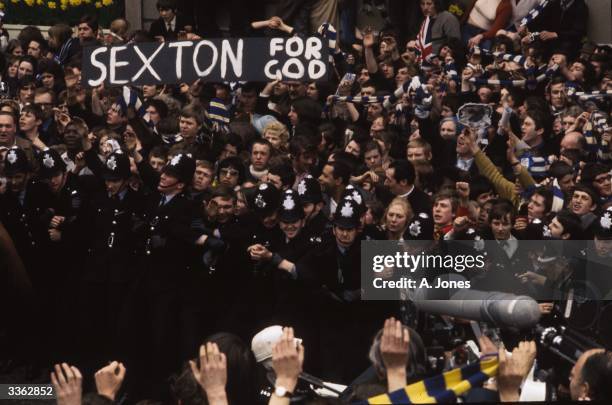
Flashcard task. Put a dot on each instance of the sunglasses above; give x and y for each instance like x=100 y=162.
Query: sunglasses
x=228 y=172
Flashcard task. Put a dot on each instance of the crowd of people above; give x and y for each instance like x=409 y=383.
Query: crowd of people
x=139 y=222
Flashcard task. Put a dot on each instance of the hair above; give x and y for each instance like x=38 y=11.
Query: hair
x=185 y=389
x=30 y=33
x=420 y=143
x=560 y=169
x=572 y=111
x=192 y=112
x=447 y=194
x=234 y=140
x=205 y=164
x=279 y=129
x=120 y=27
x=61 y=32
x=31 y=61
x=223 y=192
x=308 y=110
x=168 y=126
x=591 y=170
x=166 y=4
x=33 y=109
x=8 y=114
x=587 y=188
x=597 y=372
x=417 y=359
x=262 y=141
x=300 y=145
x=403 y=170
x=281 y=166
x=90 y=20
x=159 y=151
x=341 y=171
x=372 y=145
x=159 y=105
x=570 y=222
x=234 y=162
x=541 y=119
x=406 y=207
x=500 y=209
x=241 y=363
x=548 y=197
x=12 y=45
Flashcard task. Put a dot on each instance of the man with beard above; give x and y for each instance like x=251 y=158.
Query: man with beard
x=304 y=157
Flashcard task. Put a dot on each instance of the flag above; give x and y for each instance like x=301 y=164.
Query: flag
x=424 y=43
x=441 y=388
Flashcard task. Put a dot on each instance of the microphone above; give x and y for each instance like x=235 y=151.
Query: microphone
x=500 y=309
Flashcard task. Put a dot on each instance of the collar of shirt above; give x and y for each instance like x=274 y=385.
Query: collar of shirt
x=408 y=193
x=168 y=197
x=509 y=245
x=172 y=24
x=464 y=164
x=121 y=194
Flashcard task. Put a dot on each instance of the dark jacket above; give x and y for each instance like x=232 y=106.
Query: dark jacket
x=160 y=29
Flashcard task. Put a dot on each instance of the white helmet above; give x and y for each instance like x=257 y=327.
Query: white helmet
x=264 y=341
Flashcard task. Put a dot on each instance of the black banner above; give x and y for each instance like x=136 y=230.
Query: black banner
x=216 y=60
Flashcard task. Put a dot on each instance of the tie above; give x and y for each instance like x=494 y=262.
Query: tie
x=163 y=200
x=169 y=27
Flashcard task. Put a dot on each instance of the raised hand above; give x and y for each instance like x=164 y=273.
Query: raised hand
x=211 y=374
x=67 y=383
x=394 y=350
x=109 y=379
x=287 y=360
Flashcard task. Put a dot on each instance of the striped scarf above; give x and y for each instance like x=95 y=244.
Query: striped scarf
x=530 y=83
x=442 y=388
x=328 y=32
x=534 y=13
x=593 y=95
x=129 y=98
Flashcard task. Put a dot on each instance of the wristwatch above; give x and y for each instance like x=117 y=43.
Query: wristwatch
x=282 y=392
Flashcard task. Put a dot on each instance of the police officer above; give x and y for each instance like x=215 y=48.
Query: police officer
x=309 y=190
x=165 y=241
x=110 y=260
x=23 y=208
x=331 y=272
x=63 y=248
